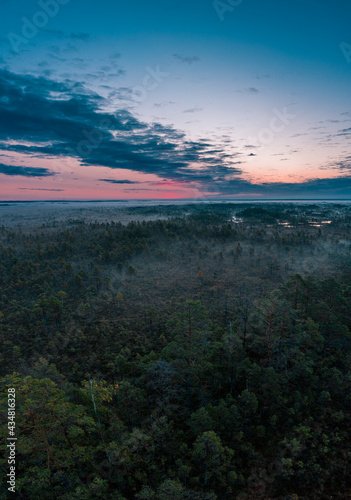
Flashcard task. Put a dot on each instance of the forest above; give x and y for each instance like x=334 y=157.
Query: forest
x=198 y=351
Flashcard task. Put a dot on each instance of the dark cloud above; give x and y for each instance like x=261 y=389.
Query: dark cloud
x=122 y=94
x=115 y=55
x=342 y=164
x=44 y=118
x=186 y=59
x=63 y=35
x=113 y=181
x=105 y=74
x=43 y=64
x=262 y=77
x=334 y=188
x=69 y=119
x=163 y=104
x=249 y=90
x=136 y=189
x=56 y=33
x=24 y=171
x=339 y=186
x=39 y=189
x=197 y=109
x=344 y=132
x=84 y=37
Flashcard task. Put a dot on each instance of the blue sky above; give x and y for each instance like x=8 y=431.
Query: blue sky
x=175 y=99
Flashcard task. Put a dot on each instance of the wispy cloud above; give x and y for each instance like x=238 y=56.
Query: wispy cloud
x=249 y=90
x=63 y=35
x=163 y=104
x=38 y=189
x=186 y=59
x=196 y=109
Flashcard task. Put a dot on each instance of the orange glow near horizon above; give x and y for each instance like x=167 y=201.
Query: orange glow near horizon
x=74 y=181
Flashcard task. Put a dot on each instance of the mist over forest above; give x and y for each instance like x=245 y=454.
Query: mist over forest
x=190 y=351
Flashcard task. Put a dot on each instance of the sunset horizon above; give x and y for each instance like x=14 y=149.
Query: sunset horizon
x=175 y=249
x=177 y=101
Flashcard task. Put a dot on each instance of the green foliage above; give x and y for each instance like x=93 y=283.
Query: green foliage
x=51 y=433
x=197 y=388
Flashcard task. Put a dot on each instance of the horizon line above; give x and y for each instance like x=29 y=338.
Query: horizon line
x=174 y=200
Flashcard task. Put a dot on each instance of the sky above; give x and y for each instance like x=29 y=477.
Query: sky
x=200 y=99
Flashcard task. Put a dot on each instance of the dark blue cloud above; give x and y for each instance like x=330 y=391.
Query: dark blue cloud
x=339 y=187
x=114 y=181
x=69 y=118
x=45 y=118
x=38 y=189
x=25 y=171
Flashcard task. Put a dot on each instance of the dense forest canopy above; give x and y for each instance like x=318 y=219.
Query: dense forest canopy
x=191 y=352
